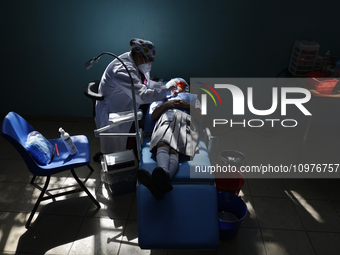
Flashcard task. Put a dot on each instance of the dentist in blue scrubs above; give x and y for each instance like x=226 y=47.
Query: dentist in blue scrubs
x=115 y=86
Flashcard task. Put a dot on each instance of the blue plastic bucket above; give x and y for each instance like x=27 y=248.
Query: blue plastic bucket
x=231 y=211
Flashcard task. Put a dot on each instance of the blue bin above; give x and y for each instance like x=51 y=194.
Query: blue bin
x=231 y=210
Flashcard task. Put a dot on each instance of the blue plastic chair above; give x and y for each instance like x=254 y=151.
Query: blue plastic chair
x=15 y=129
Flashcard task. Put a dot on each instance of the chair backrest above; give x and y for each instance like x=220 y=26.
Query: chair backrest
x=15 y=129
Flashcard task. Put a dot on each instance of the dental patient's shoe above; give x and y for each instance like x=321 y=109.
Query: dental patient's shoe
x=97 y=156
x=162 y=179
x=145 y=178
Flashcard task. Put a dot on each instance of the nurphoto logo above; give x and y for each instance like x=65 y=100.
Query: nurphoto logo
x=280 y=96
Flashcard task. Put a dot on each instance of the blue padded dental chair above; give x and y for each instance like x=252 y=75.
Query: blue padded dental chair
x=187 y=217
x=16 y=129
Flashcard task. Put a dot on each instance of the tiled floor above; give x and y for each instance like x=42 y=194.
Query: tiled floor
x=285 y=216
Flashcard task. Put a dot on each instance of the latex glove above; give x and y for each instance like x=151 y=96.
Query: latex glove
x=171 y=84
x=158 y=86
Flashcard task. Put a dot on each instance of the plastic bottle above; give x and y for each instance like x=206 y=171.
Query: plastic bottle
x=325 y=62
x=336 y=72
x=72 y=149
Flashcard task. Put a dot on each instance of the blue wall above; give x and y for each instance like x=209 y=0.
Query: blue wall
x=44 y=44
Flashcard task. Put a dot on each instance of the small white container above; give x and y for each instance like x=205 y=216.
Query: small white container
x=72 y=149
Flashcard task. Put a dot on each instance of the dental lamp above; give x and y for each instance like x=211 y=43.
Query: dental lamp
x=88 y=65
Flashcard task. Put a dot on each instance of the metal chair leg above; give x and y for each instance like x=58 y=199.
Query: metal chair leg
x=40 y=198
x=33 y=179
x=90 y=167
x=81 y=184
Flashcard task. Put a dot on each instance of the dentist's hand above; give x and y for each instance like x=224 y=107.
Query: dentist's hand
x=171 y=84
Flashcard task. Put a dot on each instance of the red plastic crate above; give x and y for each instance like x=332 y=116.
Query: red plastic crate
x=322 y=82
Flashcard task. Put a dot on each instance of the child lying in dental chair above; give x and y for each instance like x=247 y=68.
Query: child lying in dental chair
x=175 y=133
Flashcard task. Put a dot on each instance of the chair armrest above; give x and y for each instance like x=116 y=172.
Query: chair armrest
x=91 y=91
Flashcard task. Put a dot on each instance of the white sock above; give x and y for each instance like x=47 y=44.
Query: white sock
x=173 y=166
x=163 y=158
